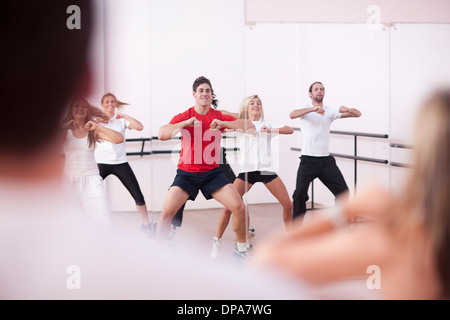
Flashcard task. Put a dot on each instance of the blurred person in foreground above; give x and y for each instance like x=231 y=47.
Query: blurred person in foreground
x=47 y=249
x=406 y=236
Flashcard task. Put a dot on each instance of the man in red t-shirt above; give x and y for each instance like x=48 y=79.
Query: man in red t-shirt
x=201 y=129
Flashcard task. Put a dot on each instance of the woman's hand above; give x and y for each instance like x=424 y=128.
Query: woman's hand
x=90 y=125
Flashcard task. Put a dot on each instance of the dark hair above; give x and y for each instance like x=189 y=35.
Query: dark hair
x=42 y=63
x=201 y=80
x=311 y=86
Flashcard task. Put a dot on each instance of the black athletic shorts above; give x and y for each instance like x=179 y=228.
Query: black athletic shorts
x=258 y=176
x=207 y=182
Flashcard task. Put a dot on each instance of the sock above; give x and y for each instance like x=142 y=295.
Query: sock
x=242 y=247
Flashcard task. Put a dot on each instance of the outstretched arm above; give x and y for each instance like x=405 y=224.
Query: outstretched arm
x=319 y=251
x=282 y=130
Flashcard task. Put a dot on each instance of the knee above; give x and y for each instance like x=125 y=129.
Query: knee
x=288 y=205
x=238 y=209
x=166 y=216
x=300 y=196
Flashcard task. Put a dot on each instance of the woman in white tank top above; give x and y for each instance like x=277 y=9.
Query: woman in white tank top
x=112 y=158
x=81 y=175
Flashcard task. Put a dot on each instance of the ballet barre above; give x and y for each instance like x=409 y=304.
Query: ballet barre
x=354 y=157
x=148 y=153
x=400 y=146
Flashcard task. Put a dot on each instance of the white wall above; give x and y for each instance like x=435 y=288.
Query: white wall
x=126 y=38
x=155 y=49
x=348 y=11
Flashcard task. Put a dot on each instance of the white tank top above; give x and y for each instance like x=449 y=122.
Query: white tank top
x=80 y=158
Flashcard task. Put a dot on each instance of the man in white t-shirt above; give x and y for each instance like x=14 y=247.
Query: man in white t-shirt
x=316 y=161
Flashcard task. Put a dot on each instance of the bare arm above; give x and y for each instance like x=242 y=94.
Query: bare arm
x=239 y=124
x=282 y=130
x=233 y=114
x=349 y=112
x=298 y=113
x=329 y=256
x=318 y=252
x=133 y=123
x=71 y=124
x=104 y=133
x=168 y=131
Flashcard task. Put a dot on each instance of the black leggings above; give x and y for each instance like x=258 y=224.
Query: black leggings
x=126 y=176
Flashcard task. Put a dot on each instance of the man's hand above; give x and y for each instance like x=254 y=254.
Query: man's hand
x=192 y=122
x=319 y=110
x=343 y=109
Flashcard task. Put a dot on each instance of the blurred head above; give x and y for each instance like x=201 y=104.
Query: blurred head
x=82 y=111
x=110 y=103
x=317 y=91
x=43 y=64
x=428 y=188
x=251 y=106
x=202 y=87
x=79 y=110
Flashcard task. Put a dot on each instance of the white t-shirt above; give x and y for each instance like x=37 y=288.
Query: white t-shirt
x=111 y=153
x=79 y=157
x=259 y=152
x=315 y=131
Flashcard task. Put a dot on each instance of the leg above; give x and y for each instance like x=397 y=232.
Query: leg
x=226 y=214
x=178 y=218
x=143 y=213
x=333 y=179
x=175 y=198
x=95 y=201
x=226 y=168
x=305 y=174
x=126 y=175
x=104 y=170
x=278 y=189
x=230 y=198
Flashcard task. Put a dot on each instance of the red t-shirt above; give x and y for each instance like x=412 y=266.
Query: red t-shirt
x=200 y=146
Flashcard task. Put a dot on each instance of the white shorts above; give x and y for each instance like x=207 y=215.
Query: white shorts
x=89 y=191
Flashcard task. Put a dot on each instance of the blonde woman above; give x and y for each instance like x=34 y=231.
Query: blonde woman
x=256 y=164
x=112 y=158
x=82 y=132
x=406 y=238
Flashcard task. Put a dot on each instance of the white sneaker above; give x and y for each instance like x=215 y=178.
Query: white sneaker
x=216 y=246
x=172 y=233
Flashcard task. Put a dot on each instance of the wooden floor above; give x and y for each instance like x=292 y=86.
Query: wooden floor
x=200 y=226
x=194 y=239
